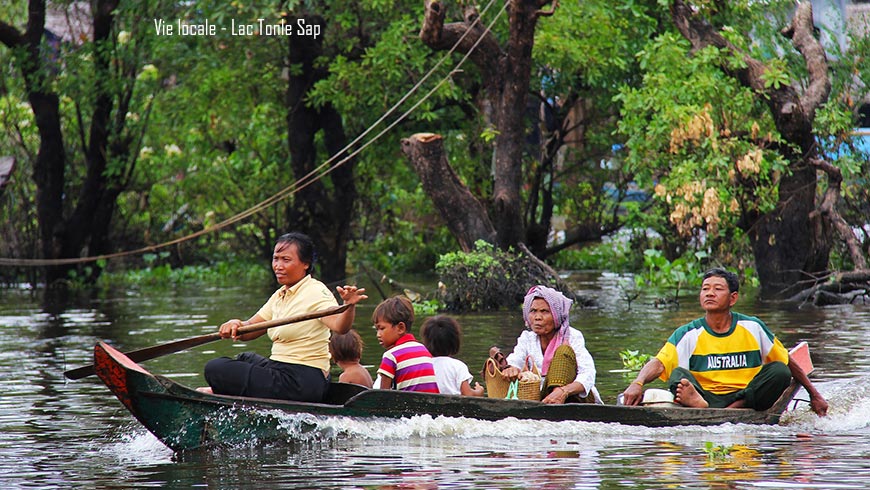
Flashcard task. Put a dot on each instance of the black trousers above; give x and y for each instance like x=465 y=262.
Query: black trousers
x=253 y=375
x=761 y=393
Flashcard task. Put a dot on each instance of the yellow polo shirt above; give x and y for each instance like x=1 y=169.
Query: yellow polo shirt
x=307 y=342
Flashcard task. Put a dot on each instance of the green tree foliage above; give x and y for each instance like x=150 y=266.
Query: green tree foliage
x=709 y=129
x=197 y=129
x=579 y=52
x=218 y=142
x=687 y=125
x=89 y=102
x=396 y=227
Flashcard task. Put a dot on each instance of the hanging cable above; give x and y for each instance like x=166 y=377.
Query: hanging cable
x=309 y=178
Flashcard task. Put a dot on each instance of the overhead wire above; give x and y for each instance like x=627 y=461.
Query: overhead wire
x=311 y=177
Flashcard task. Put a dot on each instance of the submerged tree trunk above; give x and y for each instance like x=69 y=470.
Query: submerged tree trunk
x=791 y=243
x=323 y=214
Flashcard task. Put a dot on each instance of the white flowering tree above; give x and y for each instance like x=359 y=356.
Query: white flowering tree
x=729 y=126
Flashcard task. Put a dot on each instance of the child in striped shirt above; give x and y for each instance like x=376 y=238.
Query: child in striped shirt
x=407 y=364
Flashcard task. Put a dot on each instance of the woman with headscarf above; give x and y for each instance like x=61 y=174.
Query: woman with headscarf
x=555 y=347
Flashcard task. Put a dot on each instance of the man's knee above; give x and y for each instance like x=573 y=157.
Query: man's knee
x=779 y=371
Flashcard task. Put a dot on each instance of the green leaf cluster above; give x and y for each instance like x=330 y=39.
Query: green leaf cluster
x=633 y=361
x=698 y=139
x=481 y=279
x=676 y=275
x=716 y=452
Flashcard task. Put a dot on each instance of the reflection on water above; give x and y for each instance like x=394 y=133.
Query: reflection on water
x=56 y=433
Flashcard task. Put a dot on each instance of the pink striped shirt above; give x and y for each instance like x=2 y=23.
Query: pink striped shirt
x=409 y=364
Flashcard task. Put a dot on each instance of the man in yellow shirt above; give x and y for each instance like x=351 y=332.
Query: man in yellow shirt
x=725 y=359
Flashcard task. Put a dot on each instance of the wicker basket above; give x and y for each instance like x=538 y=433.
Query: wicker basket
x=530 y=389
x=496 y=386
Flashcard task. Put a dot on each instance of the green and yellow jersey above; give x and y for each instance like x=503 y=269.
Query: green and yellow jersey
x=722 y=363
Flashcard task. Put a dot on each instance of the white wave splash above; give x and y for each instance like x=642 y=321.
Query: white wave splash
x=136 y=444
x=848 y=406
x=309 y=428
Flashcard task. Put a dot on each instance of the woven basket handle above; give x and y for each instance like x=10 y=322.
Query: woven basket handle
x=529 y=365
x=490 y=367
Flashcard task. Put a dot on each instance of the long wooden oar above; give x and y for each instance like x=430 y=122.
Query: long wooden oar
x=180 y=345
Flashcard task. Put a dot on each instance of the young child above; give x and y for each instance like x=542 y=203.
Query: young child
x=406 y=364
x=442 y=334
x=346 y=350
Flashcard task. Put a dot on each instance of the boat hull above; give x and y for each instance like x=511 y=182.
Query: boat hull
x=184 y=418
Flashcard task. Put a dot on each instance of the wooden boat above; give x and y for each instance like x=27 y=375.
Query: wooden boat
x=184 y=418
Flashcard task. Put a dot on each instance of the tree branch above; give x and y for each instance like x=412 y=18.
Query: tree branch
x=803 y=39
x=10 y=36
x=547 y=13
x=792 y=116
x=463 y=213
x=440 y=37
x=828 y=210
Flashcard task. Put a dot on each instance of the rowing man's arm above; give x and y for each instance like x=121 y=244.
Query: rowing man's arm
x=817 y=401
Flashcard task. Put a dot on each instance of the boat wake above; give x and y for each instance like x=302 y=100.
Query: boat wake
x=849 y=402
x=135 y=444
x=848 y=406
x=424 y=427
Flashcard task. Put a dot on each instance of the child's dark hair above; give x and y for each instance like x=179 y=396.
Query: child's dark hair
x=394 y=310
x=346 y=347
x=442 y=335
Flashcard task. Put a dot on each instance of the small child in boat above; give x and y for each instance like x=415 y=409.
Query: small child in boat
x=407 y=364
x=442 y=335
x=346 y=350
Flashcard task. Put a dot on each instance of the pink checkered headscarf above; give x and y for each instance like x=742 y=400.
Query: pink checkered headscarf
x=560 y=307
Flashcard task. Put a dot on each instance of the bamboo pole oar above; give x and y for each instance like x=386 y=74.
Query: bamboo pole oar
x=155 y=351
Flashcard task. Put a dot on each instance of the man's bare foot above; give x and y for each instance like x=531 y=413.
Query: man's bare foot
x=205 y=389
x=688 y=396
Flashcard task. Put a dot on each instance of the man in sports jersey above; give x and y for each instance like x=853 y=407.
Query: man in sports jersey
x=725 y=359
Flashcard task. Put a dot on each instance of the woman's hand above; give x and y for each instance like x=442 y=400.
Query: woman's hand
x=351 y=295
x=510 y=373
x=556 y=397
x=478 y=389
x=230 y=328
x=342 y=322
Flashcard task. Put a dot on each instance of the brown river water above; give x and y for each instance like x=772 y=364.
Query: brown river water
x=57 y=433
